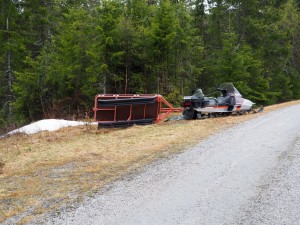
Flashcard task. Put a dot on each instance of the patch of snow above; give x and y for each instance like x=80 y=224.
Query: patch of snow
x=49 y=125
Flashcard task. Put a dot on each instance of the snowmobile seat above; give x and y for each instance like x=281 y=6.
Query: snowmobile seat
x=223 y=100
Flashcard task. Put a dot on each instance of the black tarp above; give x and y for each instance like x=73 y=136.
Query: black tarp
x=126 y=101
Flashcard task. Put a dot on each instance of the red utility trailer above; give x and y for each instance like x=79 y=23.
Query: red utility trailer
x=113 y=110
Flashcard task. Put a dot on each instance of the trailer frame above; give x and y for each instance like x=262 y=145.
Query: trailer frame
x=128 y=109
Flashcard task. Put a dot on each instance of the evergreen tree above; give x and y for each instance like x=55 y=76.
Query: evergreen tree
x=11 y=52
x=188 y=49
x=163 y=33
x=108 y=16
x=37 y=27
x=56 y=55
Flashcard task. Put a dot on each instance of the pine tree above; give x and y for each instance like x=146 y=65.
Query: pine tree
x=163 y=34
x=11 y=53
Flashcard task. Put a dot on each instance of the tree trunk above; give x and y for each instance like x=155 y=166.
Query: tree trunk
x=8 y=71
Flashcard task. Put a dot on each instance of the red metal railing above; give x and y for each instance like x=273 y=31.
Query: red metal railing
x=165 y=112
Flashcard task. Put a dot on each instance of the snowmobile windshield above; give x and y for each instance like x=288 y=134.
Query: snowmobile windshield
x=198 y=93
x=231 y=90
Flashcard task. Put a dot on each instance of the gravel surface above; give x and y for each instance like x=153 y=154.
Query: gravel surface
x=249 y=174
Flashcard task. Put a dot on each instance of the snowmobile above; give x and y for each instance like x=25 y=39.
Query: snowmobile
x=230 y=101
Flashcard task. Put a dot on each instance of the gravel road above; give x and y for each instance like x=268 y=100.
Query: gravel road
x=249 y=174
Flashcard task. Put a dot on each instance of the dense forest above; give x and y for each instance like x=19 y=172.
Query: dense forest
x=56 y=55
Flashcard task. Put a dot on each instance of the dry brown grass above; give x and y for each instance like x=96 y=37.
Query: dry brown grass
x=41 y=172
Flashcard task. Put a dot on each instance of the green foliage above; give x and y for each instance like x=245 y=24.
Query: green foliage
x=57 y=55
x=236 y=63
x=174 y=98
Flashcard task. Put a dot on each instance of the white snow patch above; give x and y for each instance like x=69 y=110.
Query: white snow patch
x=49 y=125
